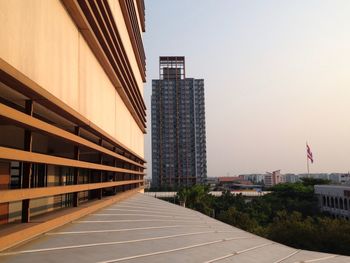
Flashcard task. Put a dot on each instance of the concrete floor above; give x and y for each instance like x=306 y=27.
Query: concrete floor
x=145 y=229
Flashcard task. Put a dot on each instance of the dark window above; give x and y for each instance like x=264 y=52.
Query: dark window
x=16 y=175
x=39 y=175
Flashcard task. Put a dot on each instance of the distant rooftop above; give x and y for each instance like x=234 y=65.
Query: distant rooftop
x=332 y=186
x=145 y=229
x=171 y=58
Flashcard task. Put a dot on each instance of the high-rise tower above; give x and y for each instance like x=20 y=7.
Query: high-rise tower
x=178 y=126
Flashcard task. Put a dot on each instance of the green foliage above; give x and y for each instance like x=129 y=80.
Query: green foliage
x=196 y=197
x=293 y=230
x=288 y=215
x=234 y=217
x=311 y=233
x=293 y=197
x=226 y=200
x=313 y=181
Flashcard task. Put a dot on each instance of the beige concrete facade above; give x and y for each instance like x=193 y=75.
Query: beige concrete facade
x=117 y=13
x=43 y=43
x=72 y=114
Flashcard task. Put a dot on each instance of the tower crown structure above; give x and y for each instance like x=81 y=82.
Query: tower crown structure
x=172 y=67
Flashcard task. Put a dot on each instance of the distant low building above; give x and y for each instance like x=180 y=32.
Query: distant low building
x=228 y=179
x=291 y=178
x=334 y=199
x=273 y=178
x=324 y=176
x=335 y=178
x=212 y=182
x=233 y=182
x=339 y=178
x=254 y=178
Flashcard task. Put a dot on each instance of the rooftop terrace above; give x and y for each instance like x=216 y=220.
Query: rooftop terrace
x=146 y=229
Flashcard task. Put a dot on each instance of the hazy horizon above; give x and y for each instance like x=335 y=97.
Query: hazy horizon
x=276 y=75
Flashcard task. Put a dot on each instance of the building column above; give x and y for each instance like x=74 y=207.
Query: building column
x=141 y=177
x=27 y=167
x=99 y=195
x=76 y=170
x=115 y=173
x=124 y=187
x=4 y=184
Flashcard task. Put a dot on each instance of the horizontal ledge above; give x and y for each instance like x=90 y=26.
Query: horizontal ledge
x=31 y=157
x=114 y=52
x=29 y=88
x=31 y=193
x=34 y=123
x=81 y=20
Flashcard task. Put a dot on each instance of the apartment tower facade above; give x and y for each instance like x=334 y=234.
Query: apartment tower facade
x=178 y=126
x=72 y=114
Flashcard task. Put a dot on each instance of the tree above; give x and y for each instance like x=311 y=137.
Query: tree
x=313 y=181
x=197 y=197
x=288 y=215
x=239 y=219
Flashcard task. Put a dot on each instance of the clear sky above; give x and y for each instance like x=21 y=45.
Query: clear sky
x=277 y=73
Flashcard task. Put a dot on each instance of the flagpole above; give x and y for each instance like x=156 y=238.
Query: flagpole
x=307 y=163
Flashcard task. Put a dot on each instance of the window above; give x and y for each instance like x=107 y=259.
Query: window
x=39 y=175
x=341 y=203
x=16 y=175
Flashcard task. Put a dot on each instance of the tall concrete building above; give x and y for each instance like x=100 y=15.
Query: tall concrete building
x=178 y=126
x=72 y=114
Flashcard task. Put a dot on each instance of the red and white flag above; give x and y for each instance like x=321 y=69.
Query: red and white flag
x=309 y=153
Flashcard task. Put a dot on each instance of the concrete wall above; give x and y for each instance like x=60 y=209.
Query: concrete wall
x=334 y=199
x=40 y=40
x=119 y=19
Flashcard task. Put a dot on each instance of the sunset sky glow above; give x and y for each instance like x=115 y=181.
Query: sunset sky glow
x=277 y=74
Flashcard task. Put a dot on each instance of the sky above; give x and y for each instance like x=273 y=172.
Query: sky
x=277 y=74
